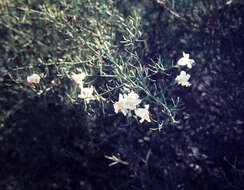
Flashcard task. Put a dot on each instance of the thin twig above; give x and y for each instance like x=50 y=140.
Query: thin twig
x=176 y=15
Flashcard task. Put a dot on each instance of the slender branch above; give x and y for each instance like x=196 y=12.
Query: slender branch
x=176 y=15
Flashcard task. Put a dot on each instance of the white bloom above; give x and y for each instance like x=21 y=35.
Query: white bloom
x=120 y=105
x=183 y=78
x=34 y=78
x=126 y=102
x=131 y=100
x=143 y=113
x=229 y=2
x=185 y=61
x=78 y=78
x=86 y=93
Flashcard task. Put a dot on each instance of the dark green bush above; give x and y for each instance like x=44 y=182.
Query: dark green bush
x=51 y=141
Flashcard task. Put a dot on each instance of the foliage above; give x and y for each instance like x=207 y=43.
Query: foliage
x=85 y=44
x=122 y=47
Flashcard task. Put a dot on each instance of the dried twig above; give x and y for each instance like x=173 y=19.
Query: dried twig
x=116 y=160
x=176 y=15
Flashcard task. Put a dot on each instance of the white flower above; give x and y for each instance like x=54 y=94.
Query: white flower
x=34 y=78
x=185 y=61
x=78 y=78
x=126 y=102
x=131 y=100
x=86 y=93
x=229 y=2
x=143 y=113
x=183 y=78
x=120 y=105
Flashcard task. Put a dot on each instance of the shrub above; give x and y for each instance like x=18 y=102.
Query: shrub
x=92 y=84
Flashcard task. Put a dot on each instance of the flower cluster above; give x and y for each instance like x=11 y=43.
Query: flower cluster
x=86 y=93
x=183 y=78
x=130 y=102
x=127 y=102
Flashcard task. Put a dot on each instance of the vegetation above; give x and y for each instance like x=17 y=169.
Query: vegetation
x=103 y=94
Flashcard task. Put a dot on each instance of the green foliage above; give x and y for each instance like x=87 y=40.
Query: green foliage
x=121 y=46
x=56 y=40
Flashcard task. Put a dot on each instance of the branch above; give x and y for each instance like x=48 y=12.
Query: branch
x=176 y=15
